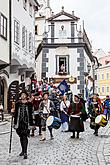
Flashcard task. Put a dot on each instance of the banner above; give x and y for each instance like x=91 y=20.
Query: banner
x=63 y=87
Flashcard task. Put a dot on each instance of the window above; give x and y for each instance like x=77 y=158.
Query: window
x=16 y=31
x=3 y=26
x=98 y=76
x=36 y=29
x=25 y=4
x=30 y=42
x=24 y=37
x=102 y=89
x=107 y=88
x=107 y=76
x=30 y=9
x=102 y=76
x=98 y=90
x=62 y=32
x=62 y=64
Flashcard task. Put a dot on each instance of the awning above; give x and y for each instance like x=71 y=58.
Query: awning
x=29 y=72
x=30 y=69
x=14 y=66
x=15 y=62
x=22 y=69
x=3 y=64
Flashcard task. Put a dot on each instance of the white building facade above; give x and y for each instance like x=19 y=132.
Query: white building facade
x=4 y=51
x=22 y=56
x=66 y=53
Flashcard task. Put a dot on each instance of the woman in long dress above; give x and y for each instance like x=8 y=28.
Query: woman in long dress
x=64 y=105
x=76 y=122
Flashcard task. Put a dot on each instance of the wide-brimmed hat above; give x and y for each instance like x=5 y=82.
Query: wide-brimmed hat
x=37 y=94
x=23 y=91
x=77 y=96
x=45 y=93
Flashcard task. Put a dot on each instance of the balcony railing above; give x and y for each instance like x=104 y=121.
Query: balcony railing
x=83 y=39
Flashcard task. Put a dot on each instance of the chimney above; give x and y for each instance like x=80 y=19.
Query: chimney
x=52 y=13
x=62 y=8
x=48 y=3
x=73 y=13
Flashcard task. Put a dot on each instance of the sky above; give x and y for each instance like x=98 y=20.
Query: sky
x=96 y=16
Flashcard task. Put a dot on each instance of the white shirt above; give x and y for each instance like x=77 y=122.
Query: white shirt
x=62 y=105
x=46 y=109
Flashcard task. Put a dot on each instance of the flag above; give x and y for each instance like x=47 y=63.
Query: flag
x=63 y=87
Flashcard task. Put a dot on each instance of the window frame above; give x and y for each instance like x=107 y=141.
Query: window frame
x=107 y=89
x=23 y=37
x=107 y=76
x=103 y=89
x=67 y=64
x=17 y=36
x=25 y=4
x=36 y=29
x=30 y=42
x=4 y=28
x=30 y=9
x=102 y=76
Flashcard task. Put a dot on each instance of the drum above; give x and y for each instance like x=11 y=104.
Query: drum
x=101 y=120
x=53 y=122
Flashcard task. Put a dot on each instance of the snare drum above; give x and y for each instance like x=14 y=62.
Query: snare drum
x=53 y=122
x=101 y=120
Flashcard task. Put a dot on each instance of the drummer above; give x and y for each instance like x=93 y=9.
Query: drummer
x=94 y=109
x=46 y=108
x=36 y=101
x=76 y=122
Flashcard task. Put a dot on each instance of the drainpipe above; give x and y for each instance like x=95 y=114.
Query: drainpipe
x=10 y=26
x=95 y=66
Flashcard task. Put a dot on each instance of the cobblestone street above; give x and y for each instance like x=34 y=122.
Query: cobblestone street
x=88 y=150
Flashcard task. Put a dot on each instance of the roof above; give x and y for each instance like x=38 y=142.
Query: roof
x=37 y=3
x=105 y=66
x=71 y=16
x=3 y=64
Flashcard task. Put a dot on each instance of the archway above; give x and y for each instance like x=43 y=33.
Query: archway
x=3 y=92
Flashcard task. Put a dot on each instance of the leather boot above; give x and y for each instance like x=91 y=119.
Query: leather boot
x=32 y=134
x=77 y=135
x=73 y=136
x=43 y=136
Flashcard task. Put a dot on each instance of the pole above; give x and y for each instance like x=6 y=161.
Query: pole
x=11 y=134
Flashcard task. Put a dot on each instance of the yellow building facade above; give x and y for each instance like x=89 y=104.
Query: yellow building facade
x=103 y=81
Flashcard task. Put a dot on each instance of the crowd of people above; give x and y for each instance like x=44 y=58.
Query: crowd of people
x=72 y=110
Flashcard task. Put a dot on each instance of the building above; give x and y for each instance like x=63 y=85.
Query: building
x=103 y=74
x=66 y=53
x=40 y=26
x=22 y=49
x=4 y=50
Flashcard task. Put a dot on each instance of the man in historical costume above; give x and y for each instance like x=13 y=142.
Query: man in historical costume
x=46 y=108
x=23 y=121
x=94 y=109
x=76 y=122
x=82 y=99
x=36 y=102
x=106 y=106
